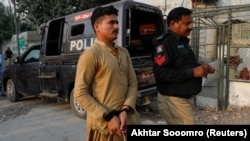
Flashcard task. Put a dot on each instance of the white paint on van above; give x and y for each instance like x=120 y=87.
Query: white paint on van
x=79 y=45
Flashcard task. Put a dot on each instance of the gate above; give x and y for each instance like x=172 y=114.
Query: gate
x=221 y=37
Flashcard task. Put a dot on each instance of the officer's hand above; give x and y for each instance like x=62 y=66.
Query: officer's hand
x=211 y=70
x=201 y=71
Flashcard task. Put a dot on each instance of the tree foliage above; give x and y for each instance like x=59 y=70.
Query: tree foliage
x=6 y=24
x=40 y=11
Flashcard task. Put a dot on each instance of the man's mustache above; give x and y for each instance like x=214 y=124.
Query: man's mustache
x=115 y=31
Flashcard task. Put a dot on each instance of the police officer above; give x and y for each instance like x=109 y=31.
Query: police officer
x=177 y=72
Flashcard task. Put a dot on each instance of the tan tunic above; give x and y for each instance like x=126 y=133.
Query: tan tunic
x=104 y=83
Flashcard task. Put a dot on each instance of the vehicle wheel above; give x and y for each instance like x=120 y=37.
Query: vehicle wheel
x=11 y=92
x=76 y=107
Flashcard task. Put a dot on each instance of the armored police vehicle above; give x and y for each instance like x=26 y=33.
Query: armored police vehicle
x=48 y=69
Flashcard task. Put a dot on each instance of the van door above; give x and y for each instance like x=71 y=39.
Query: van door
x=143 y=26
x=51 y=61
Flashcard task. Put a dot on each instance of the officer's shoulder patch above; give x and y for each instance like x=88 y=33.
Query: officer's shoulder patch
x=159 y=48
x=159 y=57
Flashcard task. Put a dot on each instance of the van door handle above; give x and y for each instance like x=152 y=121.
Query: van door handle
x=35 y=69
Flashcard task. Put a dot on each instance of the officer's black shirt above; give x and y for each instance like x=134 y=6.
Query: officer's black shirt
x=173 y=66
x=8 y=54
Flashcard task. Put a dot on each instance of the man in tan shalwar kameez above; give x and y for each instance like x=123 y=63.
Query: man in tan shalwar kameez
x=105 y=83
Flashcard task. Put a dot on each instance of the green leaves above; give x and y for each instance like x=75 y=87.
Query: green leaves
x=40 y=11
x=31 y=13
x=6 y=24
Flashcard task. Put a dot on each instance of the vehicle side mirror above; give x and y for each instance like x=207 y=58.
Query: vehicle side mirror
x=15 y=60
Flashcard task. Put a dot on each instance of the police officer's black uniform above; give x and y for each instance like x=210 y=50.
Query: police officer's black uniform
x=173 y=67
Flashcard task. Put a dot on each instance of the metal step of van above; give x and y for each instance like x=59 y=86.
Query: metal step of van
x=50 y=95
x=47 y=75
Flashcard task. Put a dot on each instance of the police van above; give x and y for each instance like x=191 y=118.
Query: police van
x=64 y=38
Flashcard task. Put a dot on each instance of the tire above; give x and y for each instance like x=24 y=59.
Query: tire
x=11 y=92
x=77 y=109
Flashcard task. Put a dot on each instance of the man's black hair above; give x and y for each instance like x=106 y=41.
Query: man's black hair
x=176 y=14
x=101 y=11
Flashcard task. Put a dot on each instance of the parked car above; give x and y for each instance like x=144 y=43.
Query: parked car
x=20 y=77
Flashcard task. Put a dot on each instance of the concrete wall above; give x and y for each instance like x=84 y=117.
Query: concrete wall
x=167 y=5
x=239 y=94
x=232 y=2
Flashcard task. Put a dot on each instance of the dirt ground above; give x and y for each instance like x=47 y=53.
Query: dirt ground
x=149 y=113
x=207 y=116
x=37 y=120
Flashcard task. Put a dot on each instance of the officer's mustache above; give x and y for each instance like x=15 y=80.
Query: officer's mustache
x=189 y=30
